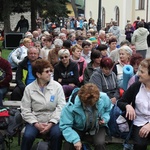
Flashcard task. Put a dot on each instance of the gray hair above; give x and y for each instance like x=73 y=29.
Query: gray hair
x=58 y=42
x=63 y=51
x=127 y=49
x=61 y=34
x=101 y=32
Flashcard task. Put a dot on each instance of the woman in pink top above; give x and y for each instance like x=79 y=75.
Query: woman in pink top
x=76 y=57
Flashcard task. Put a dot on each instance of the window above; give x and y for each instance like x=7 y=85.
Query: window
x=141 y=4
x=117 y=15
x=103 y=17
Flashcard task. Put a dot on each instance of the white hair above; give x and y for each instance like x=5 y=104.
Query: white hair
x=101 y=32
x=58 y=42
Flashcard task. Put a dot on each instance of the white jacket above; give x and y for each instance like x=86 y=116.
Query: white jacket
x=19 y=54
x=37 y=106
x=139 y=38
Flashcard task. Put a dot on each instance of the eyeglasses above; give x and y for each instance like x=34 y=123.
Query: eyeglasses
x=47 y=71
x=63 y=57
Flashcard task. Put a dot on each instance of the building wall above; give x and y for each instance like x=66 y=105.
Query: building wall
x=128 y=10
x=91 y=9
x=69 y=7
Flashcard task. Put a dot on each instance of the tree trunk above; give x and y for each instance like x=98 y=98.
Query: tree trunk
x=74 y=8
x=33 y=14
x=6 y=15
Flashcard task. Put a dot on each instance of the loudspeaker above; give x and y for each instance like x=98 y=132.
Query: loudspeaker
x=12 y=40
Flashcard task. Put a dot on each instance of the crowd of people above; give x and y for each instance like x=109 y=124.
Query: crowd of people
x=53 y=66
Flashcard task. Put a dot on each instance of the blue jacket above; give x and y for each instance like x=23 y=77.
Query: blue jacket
x=73 y=116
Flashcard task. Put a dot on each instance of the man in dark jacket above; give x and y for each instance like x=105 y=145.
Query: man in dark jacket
x=24 y=74
x=23 y=24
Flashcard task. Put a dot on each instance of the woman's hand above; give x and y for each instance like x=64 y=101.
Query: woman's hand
x=78 y=145
x=39 y=126
x=130 y=112
x=113 y=100
x=145 y=130
x=59 y=80
x=101 y=122
x=46 y=128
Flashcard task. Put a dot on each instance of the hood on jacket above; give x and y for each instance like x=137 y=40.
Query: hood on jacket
x=115 y=27
x=142 y=30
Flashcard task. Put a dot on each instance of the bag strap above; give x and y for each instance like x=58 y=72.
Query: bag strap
x=74 y=96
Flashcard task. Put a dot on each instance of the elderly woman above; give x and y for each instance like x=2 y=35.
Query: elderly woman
x=53 y=54
x=41 y=106
x=106 y=80
x=125 y=54
x=85 y=117
x=66 y=72
x=136 y=103
x=76 y=57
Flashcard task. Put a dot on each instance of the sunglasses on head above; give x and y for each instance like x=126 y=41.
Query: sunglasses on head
x=63 y=57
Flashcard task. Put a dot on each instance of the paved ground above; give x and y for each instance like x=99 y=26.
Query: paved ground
x=148 y=53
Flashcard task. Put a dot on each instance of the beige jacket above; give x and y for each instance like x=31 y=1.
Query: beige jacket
x=139 y=38
x=37 y=106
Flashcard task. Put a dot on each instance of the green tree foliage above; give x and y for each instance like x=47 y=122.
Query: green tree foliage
x=53 y=9
x=46 y=8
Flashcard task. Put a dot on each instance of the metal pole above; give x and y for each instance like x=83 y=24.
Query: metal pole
x=99 y=16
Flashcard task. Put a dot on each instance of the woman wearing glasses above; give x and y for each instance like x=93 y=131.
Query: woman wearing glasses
x=66 y=72
x=41 y=106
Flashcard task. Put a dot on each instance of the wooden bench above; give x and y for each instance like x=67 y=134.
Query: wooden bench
x=11 y=88
x=8 y=103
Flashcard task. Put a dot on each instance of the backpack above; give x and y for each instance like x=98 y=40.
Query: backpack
x=10 y=60
x=10 y=120
x=15 y=122
x=118 y=125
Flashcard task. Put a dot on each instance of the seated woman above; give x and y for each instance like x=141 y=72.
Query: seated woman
x=106 y=80
x=76 y=57
x=66 y=72
x=92 y=66
x=53 y=54
x=85 y=118
x=134 y=62
x=125 y=54
x=20 y=53
x=135 y=102
x=41 y=106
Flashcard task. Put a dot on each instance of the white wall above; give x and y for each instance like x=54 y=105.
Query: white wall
x=127 y=9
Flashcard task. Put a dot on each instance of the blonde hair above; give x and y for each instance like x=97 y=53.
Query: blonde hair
x=26 y=40
x=77 y=46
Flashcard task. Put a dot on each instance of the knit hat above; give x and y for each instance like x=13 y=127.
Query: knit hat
x=63 y=51
x=127 y=49
x=93 y=39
